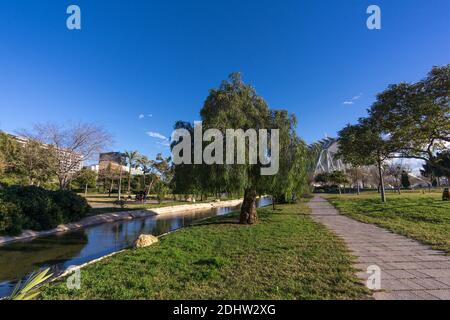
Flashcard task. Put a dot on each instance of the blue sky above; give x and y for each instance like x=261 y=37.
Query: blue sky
x=160 y=58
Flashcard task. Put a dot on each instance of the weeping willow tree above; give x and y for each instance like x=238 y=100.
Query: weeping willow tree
x=236 y=105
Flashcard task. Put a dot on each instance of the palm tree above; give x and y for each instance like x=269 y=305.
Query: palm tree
x=131 y=157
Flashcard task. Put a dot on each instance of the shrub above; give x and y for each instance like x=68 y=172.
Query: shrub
x=121 y=203
x=11 y=219
x=73 y=206
x=38 y=209
x=36 y=205
x=161 y=190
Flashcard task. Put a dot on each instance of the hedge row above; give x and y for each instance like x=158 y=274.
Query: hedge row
x=38 y=209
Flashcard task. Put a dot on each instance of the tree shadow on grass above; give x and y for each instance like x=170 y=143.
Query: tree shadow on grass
x=221 y=222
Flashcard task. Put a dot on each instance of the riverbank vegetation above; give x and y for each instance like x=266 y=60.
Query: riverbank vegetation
x=286 y=255
x=38 y=209
x=424 y=217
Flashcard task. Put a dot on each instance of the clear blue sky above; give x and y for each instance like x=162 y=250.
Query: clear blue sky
x=161 y=57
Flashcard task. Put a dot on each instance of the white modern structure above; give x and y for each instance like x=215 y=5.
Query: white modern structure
x=328 y=160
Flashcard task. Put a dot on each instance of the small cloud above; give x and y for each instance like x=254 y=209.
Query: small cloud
x=149 y=115
x=157 y=135
x=352 y=100
x=141 y=116
x=162 y=140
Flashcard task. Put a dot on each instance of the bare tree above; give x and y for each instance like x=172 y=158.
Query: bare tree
x=394 y=175
x=71 y=145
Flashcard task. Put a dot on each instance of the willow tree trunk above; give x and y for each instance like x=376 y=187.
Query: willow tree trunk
x=248 y=208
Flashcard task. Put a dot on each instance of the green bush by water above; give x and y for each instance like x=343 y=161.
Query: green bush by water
x=38 y=209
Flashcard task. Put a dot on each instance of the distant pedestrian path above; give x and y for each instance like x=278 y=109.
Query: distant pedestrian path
x=409 y=269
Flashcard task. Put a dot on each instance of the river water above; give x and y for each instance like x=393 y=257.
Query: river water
x=77 y=247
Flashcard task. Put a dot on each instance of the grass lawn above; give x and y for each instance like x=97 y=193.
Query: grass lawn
x=285 y=256
x=424 y=217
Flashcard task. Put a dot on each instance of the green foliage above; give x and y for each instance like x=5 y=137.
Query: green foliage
x=121 y=203
x=85 y=178
x=235 y=105
x=38 y=209
x=405 y=180
x=9 y=157
x=406 y=121
x=161 y=190
x=292 y=178
x=431 y=170
x=335 y=177
x=338 y=177
x=323 y=178
x=2 y=164
x=417 y=116
x=365 y=143
x=36 y=205
x=11 y=220
x=36 y=163
x=132 y=157
x=72 y=206
x=30 y=289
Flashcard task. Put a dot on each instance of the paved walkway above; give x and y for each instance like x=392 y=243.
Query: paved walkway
x=409 y=270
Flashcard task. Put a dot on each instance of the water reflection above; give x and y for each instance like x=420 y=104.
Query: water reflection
x=78 y=247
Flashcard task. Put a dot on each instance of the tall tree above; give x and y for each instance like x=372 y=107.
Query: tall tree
x=9 y=160
x=37 y=162
x=338 y=178
x=187 y=178
x=85 y=179
x=131 y=157
x=146 y=166
x=367 y=144
x=236 y=105
x=417 y=116
x=395 y=170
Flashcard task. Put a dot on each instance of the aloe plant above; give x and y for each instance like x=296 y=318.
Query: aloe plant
x=30 y=289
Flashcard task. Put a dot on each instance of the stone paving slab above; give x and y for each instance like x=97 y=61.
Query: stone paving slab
x=409 y=270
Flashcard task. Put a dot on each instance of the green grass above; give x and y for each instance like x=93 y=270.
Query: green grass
x=285 y=256
x=424 y=217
